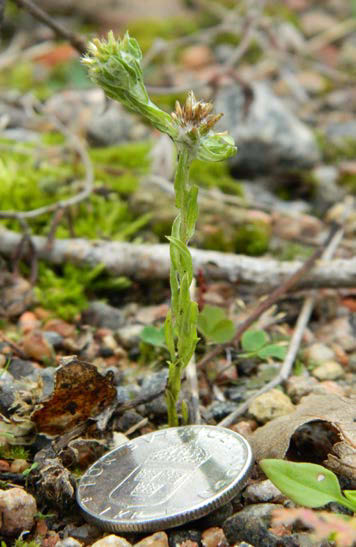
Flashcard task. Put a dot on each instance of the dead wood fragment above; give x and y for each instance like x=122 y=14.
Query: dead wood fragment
x=273 y=440
x=145 y=262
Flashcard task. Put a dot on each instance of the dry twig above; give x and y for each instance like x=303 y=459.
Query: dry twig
x=295 y=341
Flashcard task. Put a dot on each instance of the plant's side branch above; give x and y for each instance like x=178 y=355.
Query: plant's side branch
x=295 y=341
x=78 y=42
x=289 y=283
x=145 y=262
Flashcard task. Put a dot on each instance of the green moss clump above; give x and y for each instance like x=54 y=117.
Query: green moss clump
x=342 y=149
x=30 y=179
x=43 y=81
x=252 y=239
x=280 y=10
x=295 y=251
x=13 y=452
x=65 y=291
x=349 y=181
x=147 y=30
x=215 y=175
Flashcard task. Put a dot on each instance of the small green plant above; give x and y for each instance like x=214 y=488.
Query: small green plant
x=307 y=484
x=215 y=326
x=115 y=65
x=255 y=343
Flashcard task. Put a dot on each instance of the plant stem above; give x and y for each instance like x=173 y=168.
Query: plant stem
x=180 y=327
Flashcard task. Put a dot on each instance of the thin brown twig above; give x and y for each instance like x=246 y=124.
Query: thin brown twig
x=295 y=341
x=270 y=300
x=78 y=42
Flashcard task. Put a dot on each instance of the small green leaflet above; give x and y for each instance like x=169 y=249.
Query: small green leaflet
x=215 y=326
x=154 y=336
x=255 y=343
x=253 y=340
x=307 y=484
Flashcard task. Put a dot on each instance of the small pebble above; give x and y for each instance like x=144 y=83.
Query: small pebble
x=330 y=370
x=245 y=427
x=159 y=539
x=53 y=338
x=262 y=491
x=317 y=354
x=69 y=542
x=299 y=386
x=197 y=56
x=270 y=405
x=36 y=346
x=4 y=466
x=214 y=537
x=17 y=511
x=112 y=541
x=19 y=466
x=2 y=360
x=28 y=321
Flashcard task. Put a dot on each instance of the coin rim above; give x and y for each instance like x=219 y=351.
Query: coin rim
x=175 y=519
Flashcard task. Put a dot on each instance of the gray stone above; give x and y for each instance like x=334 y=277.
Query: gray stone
x=219 y=409
x=129 y=336
x=269 y=136
x=47 y=374
x=179 y=536
x=20 y=368
x=341 y=130
x=151 y=386
x=53 y=338
x=99 y=314
x=128 y=419
x=17 y=511
x=263 y=491
x=252 y=525
x=7 y=391
x=114 y=126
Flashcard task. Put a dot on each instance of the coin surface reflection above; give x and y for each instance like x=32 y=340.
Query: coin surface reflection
x=165 y=478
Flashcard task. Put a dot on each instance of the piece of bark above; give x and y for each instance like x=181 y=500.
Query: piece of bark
x=144 y=262
x=339 y=414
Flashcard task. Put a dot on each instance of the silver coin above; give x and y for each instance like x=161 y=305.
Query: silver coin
x=165 y=478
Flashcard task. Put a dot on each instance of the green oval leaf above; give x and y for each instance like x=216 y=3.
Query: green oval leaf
x=254 y=340
x=152 y=335
x=308 y=484
x=273 y=350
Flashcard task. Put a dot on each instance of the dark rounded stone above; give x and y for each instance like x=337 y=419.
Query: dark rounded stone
x=20 y=368
x=252 y=524
x=219 y=409
x=99 y=314
x=177 y=536
x=53 y=338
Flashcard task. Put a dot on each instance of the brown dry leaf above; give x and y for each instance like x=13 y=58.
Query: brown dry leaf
x=80 y=392
x=336 y=414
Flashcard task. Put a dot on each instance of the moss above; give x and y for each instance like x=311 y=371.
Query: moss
x=335 y=151
x=13 y=452
x=295 y=251
x=253 y=53
x=349 y=181
x=43 y=81
x=65 y=290
x=30 y=179
x=280 y=10
x=252 y=239
x=147 y=30
x=215 y=175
